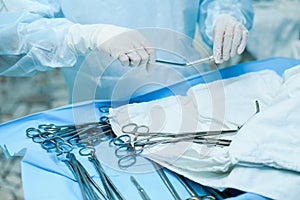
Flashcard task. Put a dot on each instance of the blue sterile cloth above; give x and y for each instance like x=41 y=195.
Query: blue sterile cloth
x=46 y=177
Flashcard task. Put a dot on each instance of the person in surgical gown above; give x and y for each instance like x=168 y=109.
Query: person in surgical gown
x=107 y=49
x=276 y=28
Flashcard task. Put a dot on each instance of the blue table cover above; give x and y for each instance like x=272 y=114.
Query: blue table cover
x=44 y=176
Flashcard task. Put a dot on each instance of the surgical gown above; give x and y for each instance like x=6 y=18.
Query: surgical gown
x=32 y=38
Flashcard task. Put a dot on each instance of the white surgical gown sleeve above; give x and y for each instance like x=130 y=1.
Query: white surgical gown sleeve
x=242 y=10
x=32 y=35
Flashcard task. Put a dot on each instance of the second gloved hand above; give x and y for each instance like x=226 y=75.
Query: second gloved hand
x=127 y=45
x=229 y=38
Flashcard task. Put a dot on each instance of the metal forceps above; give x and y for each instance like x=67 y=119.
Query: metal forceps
x=52 y=136
x=125 y=151
x=63 y=139
x=59 y=138
x=137 y=138
x=46 y=131
x=166 y=180
x=108 y=185
x=86 y=183
x=189 y=188
x=196 y=62
x=172 y=190
x=143 y=137
x=104 y=110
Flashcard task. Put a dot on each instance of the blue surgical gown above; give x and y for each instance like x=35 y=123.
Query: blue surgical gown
x=32 y=34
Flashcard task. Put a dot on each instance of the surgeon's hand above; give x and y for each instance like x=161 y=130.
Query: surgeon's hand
x=127 y=45
x=229 y=38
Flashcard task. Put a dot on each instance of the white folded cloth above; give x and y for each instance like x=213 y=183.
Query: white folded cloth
x=263 y=152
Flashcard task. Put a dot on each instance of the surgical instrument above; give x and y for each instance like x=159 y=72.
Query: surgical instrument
x=126 y=154
x=63 y=138
x=166 y=181
x=189 y=188
x=137 y=138
x=141 y=190
x=83 y=178
x=104 y=110
x=196 y=62
x=257 y=107
x=107 y=183
x=142 y=133
x=102 y=175
x=127 y=148
x=76 y=174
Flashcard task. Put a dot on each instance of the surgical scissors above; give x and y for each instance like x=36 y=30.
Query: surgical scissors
x=137 y=138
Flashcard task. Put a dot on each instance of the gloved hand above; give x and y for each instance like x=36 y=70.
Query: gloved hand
x=229 y=38
x=127 y=45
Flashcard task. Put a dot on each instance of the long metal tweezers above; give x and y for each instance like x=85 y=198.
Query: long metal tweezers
x=196 y=62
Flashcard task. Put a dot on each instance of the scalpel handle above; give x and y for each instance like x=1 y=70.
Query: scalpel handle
x=141 y=190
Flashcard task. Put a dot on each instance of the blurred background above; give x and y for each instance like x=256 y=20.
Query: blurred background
x=20 y=96
x=275 y=32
